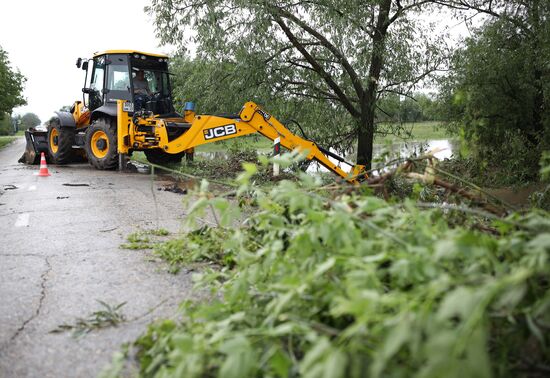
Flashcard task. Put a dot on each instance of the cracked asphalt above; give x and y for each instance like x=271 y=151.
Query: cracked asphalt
x=59 y=254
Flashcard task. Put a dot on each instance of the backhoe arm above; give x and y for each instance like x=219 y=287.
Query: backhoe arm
x=207 y=128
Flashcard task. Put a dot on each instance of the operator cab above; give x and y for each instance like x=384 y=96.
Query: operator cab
x=137 y=77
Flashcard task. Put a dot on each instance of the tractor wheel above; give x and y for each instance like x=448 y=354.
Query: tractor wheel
x=159 y=157
x=60 y=143
x=101 y=144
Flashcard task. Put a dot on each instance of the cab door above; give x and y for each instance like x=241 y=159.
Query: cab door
x=117 y=79
x=97 y=83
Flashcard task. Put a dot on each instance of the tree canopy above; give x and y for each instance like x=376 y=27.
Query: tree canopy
x=342 y=54
x=499 y=89
x=11 y=86
x=29 y=120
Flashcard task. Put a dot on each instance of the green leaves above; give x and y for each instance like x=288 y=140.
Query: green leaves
x=324 y=360
x=315 y=285
x=497 y=83
x=240 y=360
x=109 y=316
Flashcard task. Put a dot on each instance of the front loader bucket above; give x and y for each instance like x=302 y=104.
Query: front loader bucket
x=37 y=142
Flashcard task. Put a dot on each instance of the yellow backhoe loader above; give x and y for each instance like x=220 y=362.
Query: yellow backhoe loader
x=127 y=106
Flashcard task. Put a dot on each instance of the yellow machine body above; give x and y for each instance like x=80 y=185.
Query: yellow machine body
x=105 y=126
x=203 y=129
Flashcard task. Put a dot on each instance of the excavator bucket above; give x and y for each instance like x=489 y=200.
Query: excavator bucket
x=37 y=142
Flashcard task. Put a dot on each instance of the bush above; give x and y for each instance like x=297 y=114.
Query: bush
x=351 y=286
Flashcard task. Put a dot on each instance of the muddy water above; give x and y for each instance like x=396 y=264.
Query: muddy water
x=518 y=197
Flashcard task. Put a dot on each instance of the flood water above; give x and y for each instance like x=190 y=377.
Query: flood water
x=382 y=152
x=444 y=147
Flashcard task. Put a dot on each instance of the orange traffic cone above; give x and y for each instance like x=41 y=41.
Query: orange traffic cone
x=43 y=166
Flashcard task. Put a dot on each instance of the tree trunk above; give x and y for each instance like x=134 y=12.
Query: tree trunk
x=365 y=140
x=365 y=134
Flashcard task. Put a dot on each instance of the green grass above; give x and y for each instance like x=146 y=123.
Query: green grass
x=256 y=142
x=142 y=239
x=5 y=140
x=109 y=316
x=418 y=131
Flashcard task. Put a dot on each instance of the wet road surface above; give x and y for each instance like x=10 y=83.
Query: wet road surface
x=59 y=254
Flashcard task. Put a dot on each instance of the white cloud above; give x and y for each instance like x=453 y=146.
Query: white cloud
x=44 y=39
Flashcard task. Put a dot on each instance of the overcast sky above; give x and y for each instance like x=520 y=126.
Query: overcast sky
x=44 y=38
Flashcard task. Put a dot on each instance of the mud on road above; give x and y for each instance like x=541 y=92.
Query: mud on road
x=59 y=254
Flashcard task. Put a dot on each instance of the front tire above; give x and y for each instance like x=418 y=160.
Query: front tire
x=101 y=144
x=60 y=143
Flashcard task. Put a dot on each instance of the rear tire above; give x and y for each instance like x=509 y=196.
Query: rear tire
x=159 y=157
x=101 y=144
x=60 y=143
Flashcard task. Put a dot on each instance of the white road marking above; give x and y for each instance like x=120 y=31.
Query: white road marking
x=22 y=220
x=32 y=187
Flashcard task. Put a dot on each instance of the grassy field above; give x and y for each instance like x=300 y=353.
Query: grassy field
x=418 y=131
x=257 y=142
x=4 y=140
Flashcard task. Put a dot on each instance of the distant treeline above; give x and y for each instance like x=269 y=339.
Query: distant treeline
x=418 y=107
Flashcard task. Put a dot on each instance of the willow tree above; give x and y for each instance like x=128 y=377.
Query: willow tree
x=345 y=54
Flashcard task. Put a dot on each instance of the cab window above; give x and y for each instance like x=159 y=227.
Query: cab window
x=119 y=80
x=99 y=73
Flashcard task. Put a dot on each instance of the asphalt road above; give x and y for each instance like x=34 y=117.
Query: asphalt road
x=59 y=254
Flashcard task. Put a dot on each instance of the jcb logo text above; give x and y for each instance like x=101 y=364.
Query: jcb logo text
x=220 y=131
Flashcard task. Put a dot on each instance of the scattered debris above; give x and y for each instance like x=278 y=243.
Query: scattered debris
x=62 y=197
x=471 y=192
x=130 y=167
x=109 y=229
x=135 y=167
x=67 y=184
x=109 y=317
x=174 y=188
